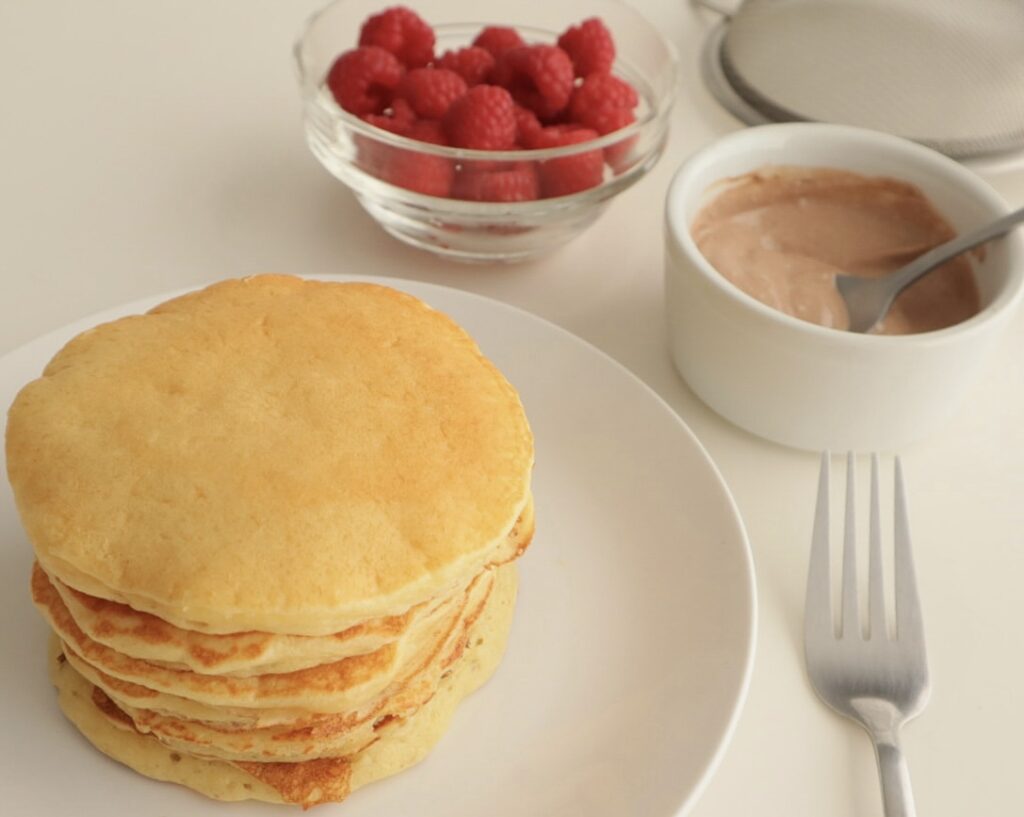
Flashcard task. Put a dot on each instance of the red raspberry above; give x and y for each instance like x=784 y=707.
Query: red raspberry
x=515 y=183
x=539 y=77
x=473 y=64
x=566 y=133
x=498 y=40
x=484 y=118
x=399 y=118
x=620 y=156
x=601 y=91
x=402 y=32
x=419 y=172
x=527 y=126
x=568 y=174
x=430 y=91
x=363 y=79
x=606 y=119
x=590 y=46
x=427 y=130
x=384 y=122
x=609 y=120
x=605 y=104
x=404 y=167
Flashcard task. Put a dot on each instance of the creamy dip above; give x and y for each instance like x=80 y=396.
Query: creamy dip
x=782 y=234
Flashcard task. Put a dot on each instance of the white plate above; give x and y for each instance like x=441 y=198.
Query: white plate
x=634 y=633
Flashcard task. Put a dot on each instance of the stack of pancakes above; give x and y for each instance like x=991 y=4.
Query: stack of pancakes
x=275 y=523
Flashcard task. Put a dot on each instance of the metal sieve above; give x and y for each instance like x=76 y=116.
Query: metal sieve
x=946 y=73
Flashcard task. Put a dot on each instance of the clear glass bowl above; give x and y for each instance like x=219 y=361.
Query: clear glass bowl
x=351 y=149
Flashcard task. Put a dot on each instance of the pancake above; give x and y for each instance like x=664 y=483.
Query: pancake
x=309 y=734
x=144 y=636
x=402 y=742
x=274 y=522
x=147 y=637
x=126 y=694
x=318 y=736
x=270 y=454
x=339 y=686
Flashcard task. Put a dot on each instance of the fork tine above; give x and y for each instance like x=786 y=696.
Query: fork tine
x=878 y=680
x=908 y=605
x=876 y=587
x=850 y=622
x=818 y=606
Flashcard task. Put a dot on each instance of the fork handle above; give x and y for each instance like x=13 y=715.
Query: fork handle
x=897 y=797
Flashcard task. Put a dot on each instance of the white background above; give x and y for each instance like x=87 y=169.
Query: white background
x=150 y=146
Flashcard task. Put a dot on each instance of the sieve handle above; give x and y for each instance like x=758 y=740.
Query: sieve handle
x=719 y=8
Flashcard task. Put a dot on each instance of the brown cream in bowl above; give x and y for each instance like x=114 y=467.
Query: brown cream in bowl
x=782 y=234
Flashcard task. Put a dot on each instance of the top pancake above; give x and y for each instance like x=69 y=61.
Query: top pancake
x=270 y=454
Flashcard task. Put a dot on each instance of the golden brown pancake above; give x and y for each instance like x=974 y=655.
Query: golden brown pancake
x=144 y=636
x=270 y=454
x=319 y=736
x=274 y=522
x=147 y=637
x=401 y=743
x=339 y=686
x=128 y=695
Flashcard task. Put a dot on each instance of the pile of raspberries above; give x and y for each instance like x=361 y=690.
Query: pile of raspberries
x=499 y=93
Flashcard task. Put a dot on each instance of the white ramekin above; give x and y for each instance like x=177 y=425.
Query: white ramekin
x=808 y=386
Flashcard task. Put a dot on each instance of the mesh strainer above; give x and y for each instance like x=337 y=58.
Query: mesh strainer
x=946 y=73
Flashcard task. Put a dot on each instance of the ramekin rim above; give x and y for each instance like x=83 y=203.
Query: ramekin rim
x=678 y=231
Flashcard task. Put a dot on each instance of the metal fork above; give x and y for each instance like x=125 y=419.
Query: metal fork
x=880 y=680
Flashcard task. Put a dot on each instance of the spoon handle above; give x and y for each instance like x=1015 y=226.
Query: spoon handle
x=944 y=252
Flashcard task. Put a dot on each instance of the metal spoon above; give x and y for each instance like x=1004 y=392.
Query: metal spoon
x=868 y=299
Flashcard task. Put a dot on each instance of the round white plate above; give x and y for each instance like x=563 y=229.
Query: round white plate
x=634 y=633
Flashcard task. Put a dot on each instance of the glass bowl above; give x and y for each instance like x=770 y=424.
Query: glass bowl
x=359 y=154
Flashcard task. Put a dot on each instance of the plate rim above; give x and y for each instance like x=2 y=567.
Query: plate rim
x=749 y=583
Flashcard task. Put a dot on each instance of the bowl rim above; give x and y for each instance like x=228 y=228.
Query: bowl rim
x=658 y=113
x=875 y=142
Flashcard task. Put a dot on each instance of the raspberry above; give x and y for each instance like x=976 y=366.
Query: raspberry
x=385 y=122
x=620 y=155
x=605 y=104
x=427 y=130
x=399 y=118
x=539 y=77
x=606 y=119
x=527 y=126
x=402 y=32
x=483 y=118
x=430 y=91
x=473 y=64
x=550 y=136
x=568 y=174
x=566 y=133
x=589 y=46
x=498 y=40
x=601 y=91
x=404 y=167
x=363 y=79
x=515 y=183
x=419 y=172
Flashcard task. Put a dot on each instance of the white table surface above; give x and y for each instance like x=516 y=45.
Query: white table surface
x=151 y=146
